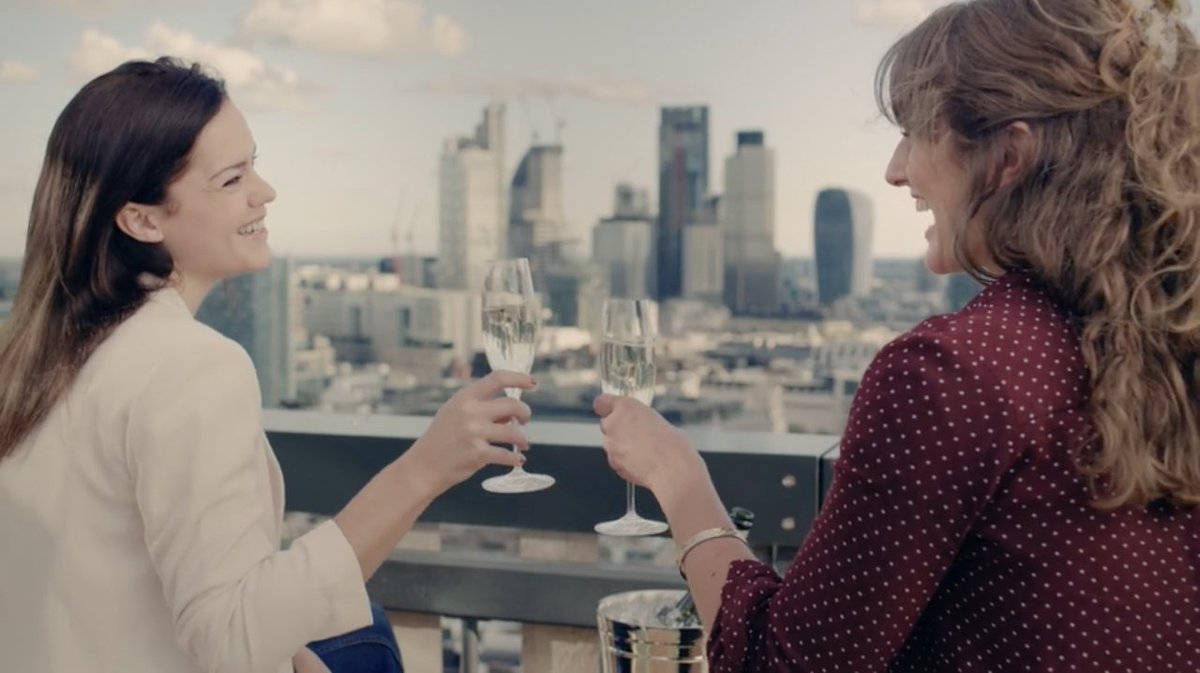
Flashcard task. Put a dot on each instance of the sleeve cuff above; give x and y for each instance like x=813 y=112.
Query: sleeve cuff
x=336 y=577
x=745 y=597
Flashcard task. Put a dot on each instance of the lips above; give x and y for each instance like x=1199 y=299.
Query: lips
x=252 y=228
x=922 y=205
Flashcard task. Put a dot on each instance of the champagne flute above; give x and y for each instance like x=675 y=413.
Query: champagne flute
x=629 y=327
x=510 y=324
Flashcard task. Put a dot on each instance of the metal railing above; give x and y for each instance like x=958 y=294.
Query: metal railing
x=326 y=458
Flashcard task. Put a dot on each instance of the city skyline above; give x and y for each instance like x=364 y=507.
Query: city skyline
x=351 y=102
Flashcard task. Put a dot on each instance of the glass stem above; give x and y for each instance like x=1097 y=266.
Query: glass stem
x=515 y=450
x=514 y=393
x=630 y=511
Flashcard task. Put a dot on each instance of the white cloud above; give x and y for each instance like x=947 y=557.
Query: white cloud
x=355 y=26
x=252 y=82
x=897 y=13
x=16 y=71
x=94 y=7
x=98 y=53
x=592 y=88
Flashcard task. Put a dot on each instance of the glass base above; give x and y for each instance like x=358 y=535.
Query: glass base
x=518 y=481
x=631 y=525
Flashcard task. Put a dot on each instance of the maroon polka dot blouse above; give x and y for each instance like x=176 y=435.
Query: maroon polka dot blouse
x=958 y=537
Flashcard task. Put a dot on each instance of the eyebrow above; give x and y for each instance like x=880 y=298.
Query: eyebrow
x=240 y=164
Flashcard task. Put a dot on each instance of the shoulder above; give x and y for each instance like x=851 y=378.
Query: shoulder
x=163 y=342
x=1017 y=310
x=989 y=371
x=934 y=397
x=1012 y=326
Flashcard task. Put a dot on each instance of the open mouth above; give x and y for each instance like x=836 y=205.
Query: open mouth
x=252 y=228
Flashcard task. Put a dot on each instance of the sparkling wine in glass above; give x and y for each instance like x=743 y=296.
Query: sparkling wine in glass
x=629 y=328
x=511 y=317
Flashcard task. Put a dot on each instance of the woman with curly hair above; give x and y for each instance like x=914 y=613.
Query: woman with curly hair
x=1018 y=481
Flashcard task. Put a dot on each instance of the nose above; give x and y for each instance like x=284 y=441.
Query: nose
x=896 y=172
x=264 y=193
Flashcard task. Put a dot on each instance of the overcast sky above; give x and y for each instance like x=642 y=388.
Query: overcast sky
x=350 y=100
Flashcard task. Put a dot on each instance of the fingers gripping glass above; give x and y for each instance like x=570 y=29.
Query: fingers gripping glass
x=511 y=317
x=626 y=363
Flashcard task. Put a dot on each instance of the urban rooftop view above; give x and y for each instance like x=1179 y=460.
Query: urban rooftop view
x=722 y=161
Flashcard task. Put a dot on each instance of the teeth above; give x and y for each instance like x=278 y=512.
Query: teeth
x=251 y=228
x=922 y=205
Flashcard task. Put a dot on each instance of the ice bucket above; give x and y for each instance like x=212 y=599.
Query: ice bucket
x=634 y=638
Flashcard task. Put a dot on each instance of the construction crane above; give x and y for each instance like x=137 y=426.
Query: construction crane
x=398 y=259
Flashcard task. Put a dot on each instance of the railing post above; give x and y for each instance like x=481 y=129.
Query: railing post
x=419 y=635
x=553 y=649
x=469 y=661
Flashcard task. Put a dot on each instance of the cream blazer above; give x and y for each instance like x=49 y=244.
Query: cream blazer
x=140 y=523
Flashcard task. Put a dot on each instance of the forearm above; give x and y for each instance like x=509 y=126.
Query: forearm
x=691 y=504
x=379 y=515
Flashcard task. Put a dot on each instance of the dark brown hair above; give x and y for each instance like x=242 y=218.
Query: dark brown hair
x=123 y=138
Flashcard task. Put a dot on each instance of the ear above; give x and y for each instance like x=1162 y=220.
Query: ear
x=1017 y=152
x=139 y=222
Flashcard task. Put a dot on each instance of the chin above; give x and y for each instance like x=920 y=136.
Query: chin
x=248 y=265
x=260 y=260
x=263 y=263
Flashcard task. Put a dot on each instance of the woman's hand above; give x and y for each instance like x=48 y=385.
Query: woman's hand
x=306 y=661
x=643 y=447
x=468 y=432
x=460 y=440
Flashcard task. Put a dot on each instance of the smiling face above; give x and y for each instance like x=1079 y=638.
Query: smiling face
x=937 y=180
x=212 y=221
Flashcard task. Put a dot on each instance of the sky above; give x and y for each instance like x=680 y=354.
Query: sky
x=350 y=101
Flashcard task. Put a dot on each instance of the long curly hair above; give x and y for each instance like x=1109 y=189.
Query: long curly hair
x=1107 y=209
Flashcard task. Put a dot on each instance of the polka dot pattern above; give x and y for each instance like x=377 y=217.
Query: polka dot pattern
x=957 y=536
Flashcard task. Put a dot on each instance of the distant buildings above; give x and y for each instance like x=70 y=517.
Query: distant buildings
x=537 y=227
x=624 y=244
x=471 y=203
x=575 y=294
x=744 y=343
x=260 y=311
x=961 y=288
x=703 y=255
x=682 y=188
x=372 y=318
x=10 y=276
x=843 y=231
x=747 y=218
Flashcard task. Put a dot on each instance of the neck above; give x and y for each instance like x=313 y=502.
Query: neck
x=192 y=290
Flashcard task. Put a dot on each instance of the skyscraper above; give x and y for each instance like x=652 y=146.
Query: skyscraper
x=537 y=227
x=703 y=255
x=260 y=312
x=751 y=264
x=843 y=231
x=682 y=187
x=471 y=203
x=630 y=201
x=623 y=244
x=575 y=294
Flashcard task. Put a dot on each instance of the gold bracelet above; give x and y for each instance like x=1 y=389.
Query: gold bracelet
x=702 y=537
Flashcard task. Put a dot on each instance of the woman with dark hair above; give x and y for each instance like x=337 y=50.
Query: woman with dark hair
x=1018 y=482
x=140 y=504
